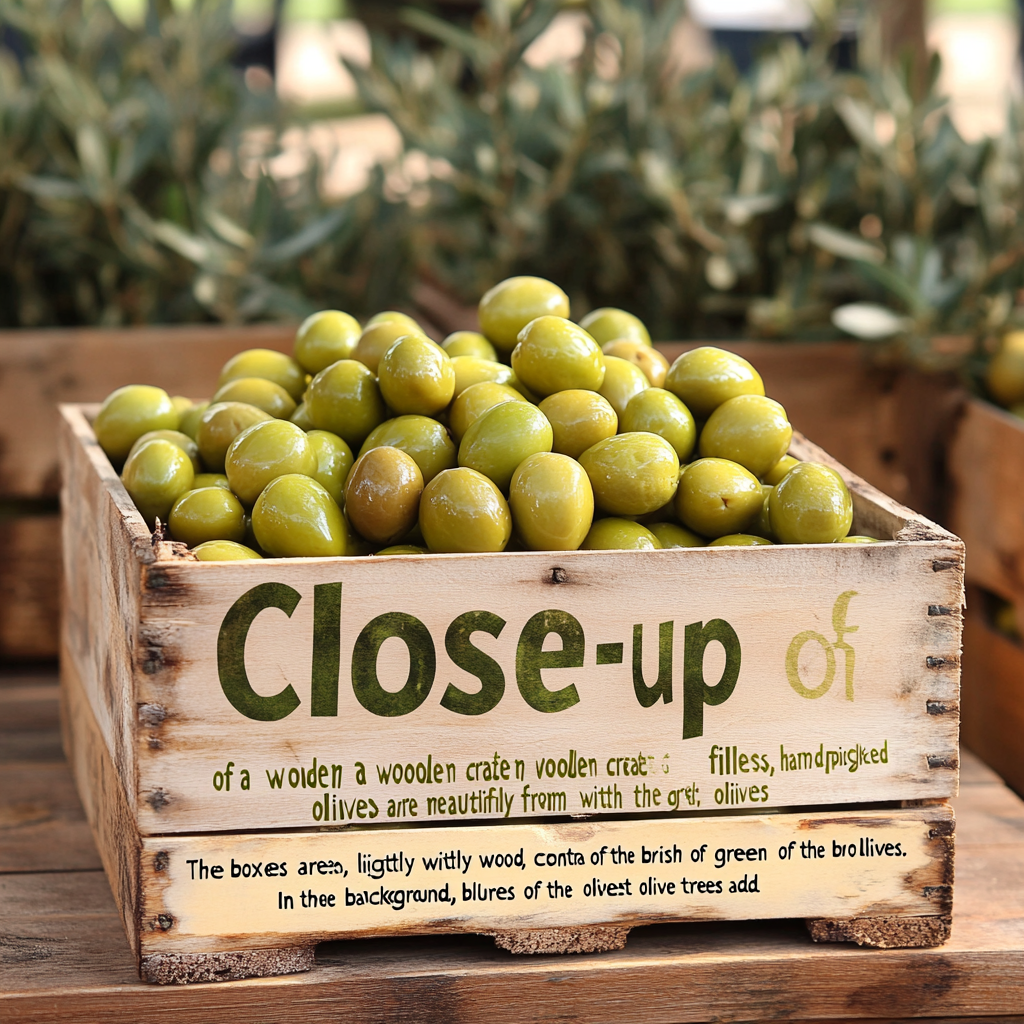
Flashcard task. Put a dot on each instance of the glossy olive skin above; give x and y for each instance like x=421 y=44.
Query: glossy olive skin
x=345 y=400
x=619 y=535
x=811 y=505
x=659 y=412
x=225 y=551
x=740 y=540
x=554 y=354
x=416 y=377
x=762 y=525
x=477 y=399
x=183 y=441
x=579 y=419
x=423 y=438
x=378 y=337
x=210 y=480
x=779 y=470
x=258 y=391
x=622 y=381
x=552 y=502
x=511 y=304
x=219 y=426
x=266 y=363
x=402 y=549
x=717 y=497
x=461 y=510
x=470 y=370
x=334 y=459
x=294 y=517
x=128 y=413
x=650 y=361
x=392 y=316
x=1004 y=374
x=608 y=324
x=156 y=475
x=705 y=377
x=264 y=451
x=324 y=338
x=207 y=513
x=632 y=474
x=859 y=538
x=190 y=418
x=469 y=343
x=672 y=535
x=502 y=438
x=382 y=495
x=749 y=429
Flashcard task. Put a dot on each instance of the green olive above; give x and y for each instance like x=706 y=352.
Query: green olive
x=207 y=513
x=469 y=343
x=416 y=376
x=1004 y=375
x=210 y=480
x=301 y=417
x=579 y=419
x=622 y=380
x=333 y=461
x=553 y=354
x=190 y=418
x=258 y=391
x=266 y=363
x=423 y=438
x=477 y=399
x=619 y=535
x=295 y=517
x=461 y=510
x=378 y=337
x=183 y=441
x=382 y=495
x=510 y=305
x=762 y=525
x=552 y=502
x=156 y=475
x=394 y=317
x=811 y=505
x=345 y=400
x=717 y=497
x=470 y=370
x=859 y=538
x=224 y=551
x=632 y=474
x=219 y=426
x=651 y=362
x=658 y=411
x=403 y=549
x=181 y=406
x=705 y=377
x=128 y=413
x=265 y=451
x=739 y=540
x=324 y=338
x=501 y=438
x=749 y=429
x=672 y=535
x=780 y=469
x=610 y=324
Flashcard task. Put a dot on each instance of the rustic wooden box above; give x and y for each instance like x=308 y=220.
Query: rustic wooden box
x=548 y=748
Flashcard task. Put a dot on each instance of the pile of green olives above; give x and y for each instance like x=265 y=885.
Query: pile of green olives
x=536 y=433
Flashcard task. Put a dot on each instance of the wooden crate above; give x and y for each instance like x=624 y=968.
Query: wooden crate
x=699 y=748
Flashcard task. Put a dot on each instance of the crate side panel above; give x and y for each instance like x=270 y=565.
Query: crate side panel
x=836 y=650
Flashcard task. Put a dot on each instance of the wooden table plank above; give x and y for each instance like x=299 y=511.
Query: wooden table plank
x=63 y=954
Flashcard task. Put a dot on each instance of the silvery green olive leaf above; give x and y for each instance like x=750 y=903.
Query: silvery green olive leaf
x=869 y=321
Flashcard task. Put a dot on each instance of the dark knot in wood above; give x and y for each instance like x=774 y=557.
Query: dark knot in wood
x=559 y=576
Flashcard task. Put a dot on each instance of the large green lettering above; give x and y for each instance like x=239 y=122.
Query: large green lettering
x=648 y=695
x=231 y=653
x=531 y=658
x=459 y=645
x=326 y=650
x=696 y=692
x=422 y=665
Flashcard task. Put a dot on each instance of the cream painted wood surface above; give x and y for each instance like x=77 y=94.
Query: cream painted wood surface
x=213 y=889
x=812 y=698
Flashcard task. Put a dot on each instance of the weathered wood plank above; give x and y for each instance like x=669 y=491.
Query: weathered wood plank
x=29 y=586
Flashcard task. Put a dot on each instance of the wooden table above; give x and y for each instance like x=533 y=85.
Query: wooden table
x=63 y=955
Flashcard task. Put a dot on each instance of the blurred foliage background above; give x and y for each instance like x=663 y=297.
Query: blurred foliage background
x=141 y=178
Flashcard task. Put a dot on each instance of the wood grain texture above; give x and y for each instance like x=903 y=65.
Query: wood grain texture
x=29 y=586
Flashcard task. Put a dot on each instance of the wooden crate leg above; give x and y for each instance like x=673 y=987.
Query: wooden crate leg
x=584 y=939
x=186 y=968
x=883 y=932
